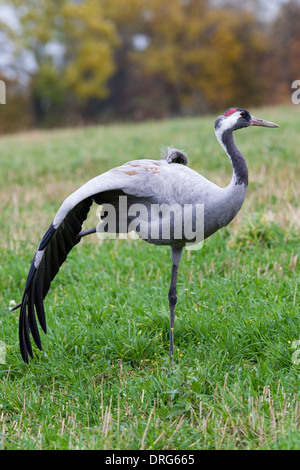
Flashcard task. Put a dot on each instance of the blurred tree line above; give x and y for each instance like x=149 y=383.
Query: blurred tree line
x=83 y=61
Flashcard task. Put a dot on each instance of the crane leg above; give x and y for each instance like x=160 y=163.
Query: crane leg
x=83 y=233
x=176 y=256
x=172 y=305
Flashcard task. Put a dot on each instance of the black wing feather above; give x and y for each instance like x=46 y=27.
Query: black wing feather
x=38 y=300
x=32 y=320
x=56 y=243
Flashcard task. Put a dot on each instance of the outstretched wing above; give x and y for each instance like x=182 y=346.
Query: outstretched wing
x=51 y=253
x=57 y=242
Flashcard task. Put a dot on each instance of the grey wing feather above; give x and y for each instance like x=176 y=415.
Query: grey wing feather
x=175 y=156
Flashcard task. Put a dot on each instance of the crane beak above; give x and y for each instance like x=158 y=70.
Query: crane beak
x=260 y=122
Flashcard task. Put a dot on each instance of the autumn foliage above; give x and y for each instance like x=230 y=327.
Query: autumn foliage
x=102 y=60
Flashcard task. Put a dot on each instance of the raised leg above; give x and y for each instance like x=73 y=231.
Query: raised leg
x=176 y=257
x=83 y=233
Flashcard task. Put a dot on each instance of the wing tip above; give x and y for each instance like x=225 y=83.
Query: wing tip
x=26 y=326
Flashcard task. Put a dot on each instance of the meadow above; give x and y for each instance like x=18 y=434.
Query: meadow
x=103 y=379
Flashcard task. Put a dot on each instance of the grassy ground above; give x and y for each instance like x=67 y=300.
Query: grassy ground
x=103 y=378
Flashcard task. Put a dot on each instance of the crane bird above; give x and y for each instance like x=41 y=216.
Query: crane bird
x=147 y=182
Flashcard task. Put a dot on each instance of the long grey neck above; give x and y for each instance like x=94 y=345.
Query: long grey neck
x=240 y=170
x=220 y=211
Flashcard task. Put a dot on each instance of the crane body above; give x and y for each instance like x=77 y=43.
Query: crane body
x=168 y=182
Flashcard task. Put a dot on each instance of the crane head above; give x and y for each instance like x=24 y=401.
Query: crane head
x=237 y=118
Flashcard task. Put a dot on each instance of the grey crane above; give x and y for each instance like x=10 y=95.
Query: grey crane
x=149 y=183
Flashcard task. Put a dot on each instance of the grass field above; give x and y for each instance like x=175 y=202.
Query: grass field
x=103 y=378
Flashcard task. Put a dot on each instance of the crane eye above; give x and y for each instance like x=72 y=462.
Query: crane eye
x=243 y=114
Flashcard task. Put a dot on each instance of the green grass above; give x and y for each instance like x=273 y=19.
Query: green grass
x=103 y=378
